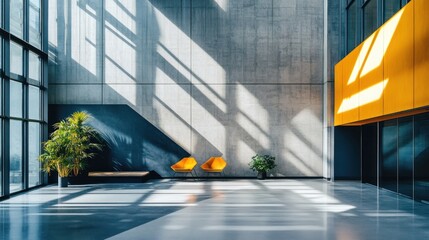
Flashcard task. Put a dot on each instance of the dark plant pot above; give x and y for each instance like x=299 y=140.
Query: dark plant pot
x=81 y=178
x=262 y=175
x=63 y=182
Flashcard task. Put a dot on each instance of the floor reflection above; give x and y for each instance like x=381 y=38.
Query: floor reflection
x=216 y=209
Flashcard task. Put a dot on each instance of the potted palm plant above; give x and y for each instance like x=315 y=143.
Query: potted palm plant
x=262 y=164
x=69 y=147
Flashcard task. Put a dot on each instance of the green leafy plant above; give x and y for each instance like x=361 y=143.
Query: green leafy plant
x=262 y=163
x=69 y=146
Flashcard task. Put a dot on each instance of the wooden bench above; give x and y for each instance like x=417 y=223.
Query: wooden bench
x=119 y=176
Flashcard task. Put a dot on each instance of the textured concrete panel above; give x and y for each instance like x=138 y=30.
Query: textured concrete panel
x=335 y=31
x=255 y=43
x=284 y=121
x=75 y=94
x=165 y=106
x=75 y=38
x=239 y=76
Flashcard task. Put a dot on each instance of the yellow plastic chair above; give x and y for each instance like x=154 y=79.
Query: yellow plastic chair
x=214 y=165
x=185 y=165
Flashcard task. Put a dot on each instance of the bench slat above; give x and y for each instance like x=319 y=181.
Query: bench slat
x=118 y=174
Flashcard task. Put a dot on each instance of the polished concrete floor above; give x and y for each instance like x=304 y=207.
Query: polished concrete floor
x=235 y=209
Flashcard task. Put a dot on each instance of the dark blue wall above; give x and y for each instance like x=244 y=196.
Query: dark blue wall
x=131 y=142
x=347 y=163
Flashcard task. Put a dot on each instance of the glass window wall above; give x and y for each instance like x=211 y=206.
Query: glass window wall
x=22 y=128
x=403 y=155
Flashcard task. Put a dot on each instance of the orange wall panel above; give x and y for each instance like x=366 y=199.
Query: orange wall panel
x=349 y=107
x=371 y=85
x=387 y=75
x=399 y=61
x=421 y=56
x=338 y=92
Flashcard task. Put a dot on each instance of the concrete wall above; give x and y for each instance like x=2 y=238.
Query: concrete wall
x=130 y=143
x=218 y=77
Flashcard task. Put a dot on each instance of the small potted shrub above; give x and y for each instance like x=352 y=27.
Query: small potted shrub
x=262 y=164
x=69 y=147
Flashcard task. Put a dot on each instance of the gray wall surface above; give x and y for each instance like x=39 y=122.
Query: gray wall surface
x=218 y=77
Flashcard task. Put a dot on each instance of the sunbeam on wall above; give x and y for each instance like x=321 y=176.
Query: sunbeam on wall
x=217 y=77
x=83 y=45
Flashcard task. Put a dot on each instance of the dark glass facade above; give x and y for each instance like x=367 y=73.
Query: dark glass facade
x=421 y=157
x=352 y=32
x=389 y=155
x=405 y=156
x=402 y=147
x=369 y=153
x=363 y=17
x=369 y=17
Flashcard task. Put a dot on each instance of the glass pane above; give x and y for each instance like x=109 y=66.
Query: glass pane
x=15 y=58
x=1 y=49
x=1 y=24
x=15 y=156
x=1 y=159
x=369 y=154
x=1 y=96
x=15 y=99
x=34 y=144
x=33 y=103
x=34 y=23
x=351 y=27
x=34 y=66
x=17 y=18
x=405 y=156
x=369 y=18
x=421 y=153
x=390 y=8
x=388 y=155
x=404 y=2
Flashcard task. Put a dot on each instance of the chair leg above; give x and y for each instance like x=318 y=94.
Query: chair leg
x=195 y=173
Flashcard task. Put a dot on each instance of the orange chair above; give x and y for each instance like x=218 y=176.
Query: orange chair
x=214 y=165
x=185 y=165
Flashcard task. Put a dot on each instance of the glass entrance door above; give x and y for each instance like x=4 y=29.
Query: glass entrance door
x=389 y=155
